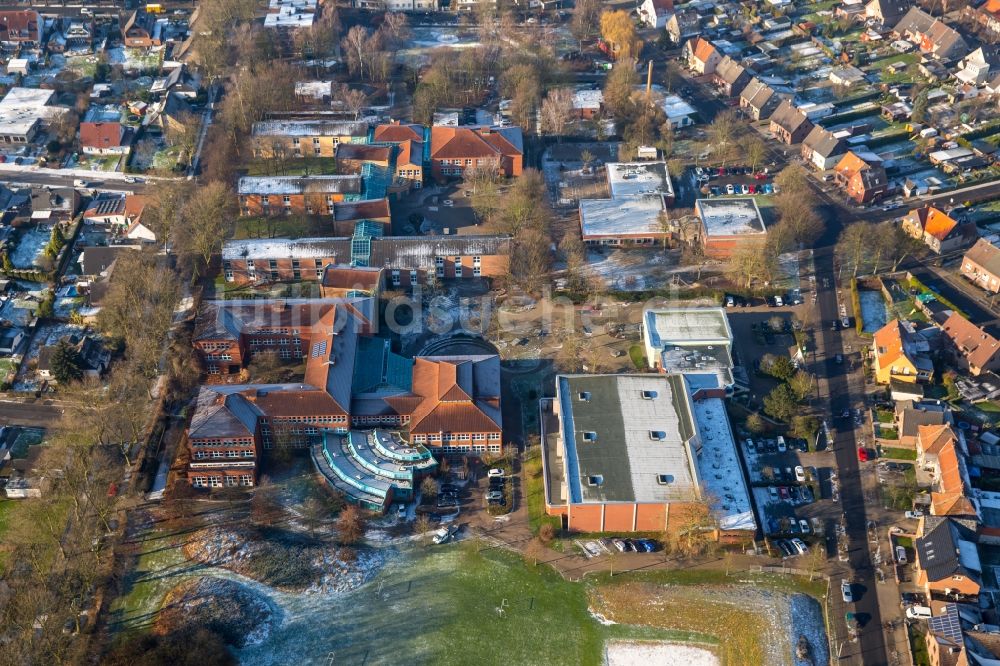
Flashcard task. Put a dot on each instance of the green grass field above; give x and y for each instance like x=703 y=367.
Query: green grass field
x=304 y=166
x=534 y=489
x=899 y=454
x=638 y=356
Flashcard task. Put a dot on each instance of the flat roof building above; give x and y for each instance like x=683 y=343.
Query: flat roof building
x=22 y=112
x=641 y=453
x=640 y=193
x=728 y=223
x=689 y=341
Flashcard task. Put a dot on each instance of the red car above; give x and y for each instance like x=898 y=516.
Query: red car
x=862 y=454
x=783 y=492
x=752 y=190
x=722 y=171
x=760 y=175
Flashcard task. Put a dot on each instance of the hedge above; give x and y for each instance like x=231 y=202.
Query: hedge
x=859 y=321
x=838 y=118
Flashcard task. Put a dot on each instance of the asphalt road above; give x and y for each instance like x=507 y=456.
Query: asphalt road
x=57 y=180
x=870 y=649
x=35 y=414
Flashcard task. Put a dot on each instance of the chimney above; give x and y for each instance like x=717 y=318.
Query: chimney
x=649 y=80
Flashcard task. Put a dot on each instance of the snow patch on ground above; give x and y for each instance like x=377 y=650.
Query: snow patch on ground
x=600 y=618
x=874 y=312
x=628 y=653
x=29 y=247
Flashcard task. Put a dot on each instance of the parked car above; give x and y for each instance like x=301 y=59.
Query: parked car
x=730 y=189
x=785 y=547
x=918 y=612
x=800 y=546
x=401 y=511
x=620 y=545
x=495 y=472
x=845 y=591
x=914 y=514
x=494 y=495
x=863 y=456
x=900 y=555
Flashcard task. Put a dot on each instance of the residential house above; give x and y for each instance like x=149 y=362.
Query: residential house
x=11 y=338
x=78 y=35
x=140 y=30
x=102 y=131
x=118 y=211
x=285 y=195
x=938 y=230
x=179 y=81
x=980 y=66
x=587 y=103
x=941 y=452
x=862 y=176
x=887 y=12
x=21 y=29
x=408 y=260
x=947 y=564
x=654 y=13
x=822 y=149
x=701 y=56
x=910 y=415
x=981 y=265
x=789 y=124
x=731 y=77
x=986 y=15
x=932 y=36
x=683 y=25
x=58 y=204
x=304 y=138
x=759 y=100
x=454 y=149
x=94 y=356
x=96 y=261
x=898 y=354
x=973 y=349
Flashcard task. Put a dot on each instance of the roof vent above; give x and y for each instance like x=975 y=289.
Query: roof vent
x=595 y=480
x=589 y=436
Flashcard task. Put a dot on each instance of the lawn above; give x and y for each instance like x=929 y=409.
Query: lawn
x=924 y=289
x=988 y=406
x=305 y=166
x=534 y=488
x=885 y=415
x=6 y=506
x=638 y=356
x=274 y=226
x=918 y=645
x=898 y=454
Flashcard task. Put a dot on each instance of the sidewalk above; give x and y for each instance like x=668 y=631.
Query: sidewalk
x=8 y=168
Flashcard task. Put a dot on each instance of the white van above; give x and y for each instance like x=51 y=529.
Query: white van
x=781 y=444
x=918 y=612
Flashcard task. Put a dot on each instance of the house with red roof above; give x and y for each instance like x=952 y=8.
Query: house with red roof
x=701 y=55
x=455 y=149
x=973 y=350
x=938 y=230
x=409 y=139
x=21 y=29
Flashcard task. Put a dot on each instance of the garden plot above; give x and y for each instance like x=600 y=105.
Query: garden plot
x=874 y=312
x=135 y=60
x=30 y=245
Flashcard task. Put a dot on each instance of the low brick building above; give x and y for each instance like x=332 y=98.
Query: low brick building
x=455 y=149
x=789 y=124
x=862 y=176
x=286 y=195
x=304 y=138
x=407 y=260
x=628 y=453
x=729 y=224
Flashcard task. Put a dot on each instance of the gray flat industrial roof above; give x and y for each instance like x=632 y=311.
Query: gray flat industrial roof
x=730 y=217
x=686 y=326
x=623 y=447
x=618 y=217
x=633 y=179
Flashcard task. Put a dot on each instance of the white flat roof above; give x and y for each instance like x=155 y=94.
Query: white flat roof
x=615 y=217
x=588 y=99
x=686 y=326
x=719 y=468
x=21 y=108
x=730 y=217
x=320 y=127
x=675 y=107
x=633 y=179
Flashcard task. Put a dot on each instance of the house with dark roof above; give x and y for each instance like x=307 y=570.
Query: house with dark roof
x=684 y=24
x=94 y=356
x=887 y=12
x=140 y=31
x=862 y=176
x=731 y=77
x=981 y=265
x=938 y=230
x=947 y=564
x=789 y=124
x=931 y=35
x=759 y=99
x=455 y=149
x=822 y=149
x=973 y=350
x=911 y=414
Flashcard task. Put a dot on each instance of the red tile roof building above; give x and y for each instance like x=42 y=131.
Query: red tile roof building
x=20 y=28
x=455 y=149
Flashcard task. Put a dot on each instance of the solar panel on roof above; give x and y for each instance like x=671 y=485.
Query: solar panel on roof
x=319 y=349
